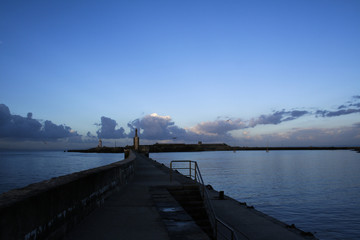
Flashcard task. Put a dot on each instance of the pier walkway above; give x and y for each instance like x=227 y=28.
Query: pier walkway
x=144 y=209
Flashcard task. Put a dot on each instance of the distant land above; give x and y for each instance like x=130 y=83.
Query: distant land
x=182 y=147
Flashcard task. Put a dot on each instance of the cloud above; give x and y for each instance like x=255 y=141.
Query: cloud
x=325 y=113
x=353 y=106
x=218 y=127
x=277 y=117
x=18 y=127
x=327 y=137
x=90 y=135
x=107 y=129
x=156 y=127
x=341 y=136
x=214 y=131
x=53 y=131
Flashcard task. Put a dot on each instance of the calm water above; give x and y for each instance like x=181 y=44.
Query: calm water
x=19 y=169
x=318 y=191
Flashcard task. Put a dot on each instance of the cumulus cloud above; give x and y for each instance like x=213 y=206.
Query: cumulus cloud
x=156 y=127
x=107 y=129
x=218 y=127
x=53 y=131
x=18 y=127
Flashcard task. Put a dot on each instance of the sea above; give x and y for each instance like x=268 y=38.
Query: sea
x=19 y=169
x=318 y=191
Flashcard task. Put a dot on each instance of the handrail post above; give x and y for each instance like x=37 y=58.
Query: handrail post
x=171 y=171
x=190 y=169
x=195 y=171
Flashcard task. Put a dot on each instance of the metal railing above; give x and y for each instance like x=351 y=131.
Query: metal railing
x=219 y=227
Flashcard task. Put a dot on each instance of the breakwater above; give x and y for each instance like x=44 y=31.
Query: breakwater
x=48 y=209
x=201 y=147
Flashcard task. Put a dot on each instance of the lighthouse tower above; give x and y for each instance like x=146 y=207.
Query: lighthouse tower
x=136 y=141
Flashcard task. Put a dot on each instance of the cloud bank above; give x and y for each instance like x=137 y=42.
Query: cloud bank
x=342 y=136
x=157 y=127
x=154 y=127
x=27 y=128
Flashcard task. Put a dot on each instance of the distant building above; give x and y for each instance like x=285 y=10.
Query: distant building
x=100 y=143
x=136 y=141
x=199 y=142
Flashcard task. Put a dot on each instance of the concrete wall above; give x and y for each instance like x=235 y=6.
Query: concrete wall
x=48 y=209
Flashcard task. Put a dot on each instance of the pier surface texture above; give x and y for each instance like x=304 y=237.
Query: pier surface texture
x=145 y=209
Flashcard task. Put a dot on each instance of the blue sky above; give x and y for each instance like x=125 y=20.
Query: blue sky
x=247 y=73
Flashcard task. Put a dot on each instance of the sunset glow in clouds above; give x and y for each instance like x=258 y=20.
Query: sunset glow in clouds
x=244 y=73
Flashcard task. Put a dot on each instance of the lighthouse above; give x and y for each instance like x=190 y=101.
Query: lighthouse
x=136 y=141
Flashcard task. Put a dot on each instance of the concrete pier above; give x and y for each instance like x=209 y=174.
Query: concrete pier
x=139 y=210
x=136 y=213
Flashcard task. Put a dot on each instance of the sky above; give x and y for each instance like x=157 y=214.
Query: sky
x=246 y=73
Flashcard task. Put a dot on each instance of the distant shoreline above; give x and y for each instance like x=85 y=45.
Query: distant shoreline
x=156 y=148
